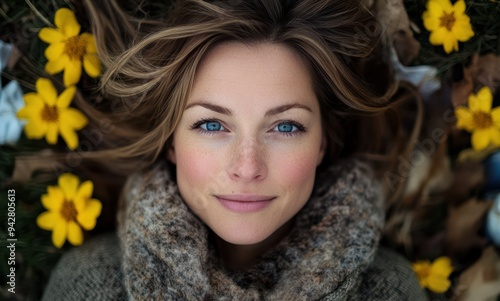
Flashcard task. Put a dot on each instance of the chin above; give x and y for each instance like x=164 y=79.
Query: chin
x=238 y=236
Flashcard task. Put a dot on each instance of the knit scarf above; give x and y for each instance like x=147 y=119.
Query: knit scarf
x=168 y=254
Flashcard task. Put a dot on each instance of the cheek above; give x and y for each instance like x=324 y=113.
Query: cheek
x=196 y=171
x=298 y=166
x=297 y=172
x=194 y=165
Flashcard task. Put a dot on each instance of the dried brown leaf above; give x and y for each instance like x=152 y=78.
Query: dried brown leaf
x=487 y=72
x=395 y=23
x=481 y=281
x=25 y=166
x=483 y=71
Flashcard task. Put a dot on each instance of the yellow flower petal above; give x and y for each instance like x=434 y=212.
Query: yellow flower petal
x=495 y=115
x=450 y=43
x=88 y=217
x=434 y=9
x=91 y=47
x=437 y=37
x=430 y=22
x=65 y=20
x=29 y=112
x=473 y=103
x=465 y=120
x=47 y=220
x=438 y=284
x=33 y=100
x=495 y=136
x=462 y=19
x=51 y=35
x=69 y=185
x=92 y=65
x=59 y=233
x=54 y=199
x=72 y=72
x=52 y=133
x=88 y=223
x=58 y=65
x=462 y=32
x=442 y=267
x=54 y=51
x=83 y=195
x=480 y=139
x=93 y=208
x=35 y=128
x=485 y=99
x=444 y=4
x=46 y=91
x=69 y=137
x=75 y=234
x=66 y=97
x=80 y=204
x=85 y=190
x=459 y=7
x=72 y=118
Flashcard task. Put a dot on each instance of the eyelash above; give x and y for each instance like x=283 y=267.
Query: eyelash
x=300 y=128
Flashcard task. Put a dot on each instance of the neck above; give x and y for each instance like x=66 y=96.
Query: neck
x=237 y=257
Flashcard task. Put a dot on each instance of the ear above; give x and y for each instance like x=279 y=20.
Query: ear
x=171 y=153
x=322 y=150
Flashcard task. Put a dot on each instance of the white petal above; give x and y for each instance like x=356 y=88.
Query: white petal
x=10 y=130
x=13 y=95
x=5 y=50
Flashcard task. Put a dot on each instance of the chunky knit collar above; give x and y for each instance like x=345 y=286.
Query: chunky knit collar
x=167 y=254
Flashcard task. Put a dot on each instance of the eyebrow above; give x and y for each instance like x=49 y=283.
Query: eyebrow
x=271 y=112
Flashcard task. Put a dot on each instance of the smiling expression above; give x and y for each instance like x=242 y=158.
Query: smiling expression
x=249 y=141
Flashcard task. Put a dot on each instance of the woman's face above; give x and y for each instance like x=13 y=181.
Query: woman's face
x=249 y=141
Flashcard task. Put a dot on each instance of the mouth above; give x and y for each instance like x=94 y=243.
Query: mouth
x=244 y=203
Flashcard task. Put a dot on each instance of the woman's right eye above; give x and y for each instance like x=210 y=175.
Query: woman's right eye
x=212 y=126
x=208 y=126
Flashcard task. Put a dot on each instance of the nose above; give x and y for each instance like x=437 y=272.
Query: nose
x=248 y=161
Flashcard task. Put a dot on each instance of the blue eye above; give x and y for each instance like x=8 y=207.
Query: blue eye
x=208 y=126
x=211 y=126
x=286 y=127
x=290 y=128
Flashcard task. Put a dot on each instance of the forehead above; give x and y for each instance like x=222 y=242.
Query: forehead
x=256 y=71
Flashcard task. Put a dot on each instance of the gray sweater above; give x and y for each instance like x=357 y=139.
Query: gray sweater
x=163 y=251
x=94 y=272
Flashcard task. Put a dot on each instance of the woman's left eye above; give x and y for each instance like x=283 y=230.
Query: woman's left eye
x=289 y=128
x=286 y=127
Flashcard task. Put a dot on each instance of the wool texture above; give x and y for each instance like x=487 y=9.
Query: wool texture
x=167 y=253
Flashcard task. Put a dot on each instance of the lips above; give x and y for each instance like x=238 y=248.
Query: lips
x=244 y=203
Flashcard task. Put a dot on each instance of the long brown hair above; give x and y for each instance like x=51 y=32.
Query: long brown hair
x=150 y=66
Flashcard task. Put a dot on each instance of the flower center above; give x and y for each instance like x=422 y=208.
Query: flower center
x=68 y=211
x=483 y=120
x=447 y=20
x=74 y=47
x=50 y=113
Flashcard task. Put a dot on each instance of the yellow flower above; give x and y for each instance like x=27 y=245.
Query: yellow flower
x=68 y=49
x=480 y=120
x=447 y=23
x=434 y=276
x=49 y=114
x=70 y=208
